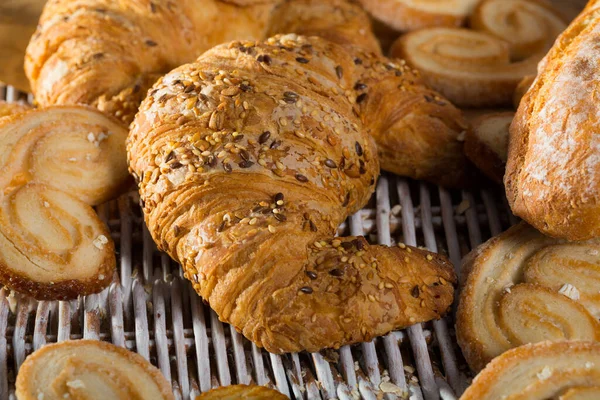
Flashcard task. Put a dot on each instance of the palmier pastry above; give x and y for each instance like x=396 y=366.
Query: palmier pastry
x=89 y=369
x=567 y=370
x=55 y=164
x=481 y=67
x=523 y=287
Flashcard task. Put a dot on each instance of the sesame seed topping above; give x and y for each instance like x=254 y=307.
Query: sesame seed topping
x=280 y=217
x=339 y=71
x=278 y=197
x=358 y=148
x=371 y=298
x=429 y=257
x=306 y=289
x=272 y=229
x=302 y=60
x=311 y=274
x=336 y=272
x=360 y=86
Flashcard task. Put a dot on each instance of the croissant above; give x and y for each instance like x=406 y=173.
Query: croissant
x=552 y=169
x=482 y=67
x=524 y=287
x=55 y=164
x=562 y=370
x=246 y=392
x=486 y=143
x=409 y=15
x=248 y=160
x=89 y=369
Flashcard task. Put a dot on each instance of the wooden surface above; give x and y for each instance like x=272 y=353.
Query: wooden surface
x=18 y=19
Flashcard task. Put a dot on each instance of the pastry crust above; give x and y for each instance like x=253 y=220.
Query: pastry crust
x=486 y=143
x=521 y=287
x=546 y=370
x=482 y=67
x=244 y=392
x=89 y=369
x=552 y=169
x=409 y=15
x=245 y=181
x=55 y=164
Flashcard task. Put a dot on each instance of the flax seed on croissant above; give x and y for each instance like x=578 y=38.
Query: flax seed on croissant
x=89 y=369
x=56 y=163
x=568 y=370
x=482 y=66
x=246 y=170
x=554 y=149
x=523 y=287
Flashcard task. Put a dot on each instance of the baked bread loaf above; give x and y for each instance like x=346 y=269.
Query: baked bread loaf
x=408 y=15
x=523 y=287
x=486 y=143
x=7 y=109
x=482 y=67
x=561 y=370
x=249 y=158
x=244 y=392
x=89 y=369
x=552 y=169
x=55 y=164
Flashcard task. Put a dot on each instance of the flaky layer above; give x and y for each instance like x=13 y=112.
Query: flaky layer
x=248 y=160
x=560 y=370
x=89 y=369
x=524 y=287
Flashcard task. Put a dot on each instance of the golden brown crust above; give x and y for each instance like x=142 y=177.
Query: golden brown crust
x=522 y=287
x=552 y=169
x=247 y=392
x=55 y=164
x=546 y=370
x=409 y=15
x=486 y=143
x=89 y=369
x=246 y=171
x=482 y=67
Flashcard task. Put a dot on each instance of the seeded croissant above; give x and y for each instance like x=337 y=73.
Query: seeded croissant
x=248 y=160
